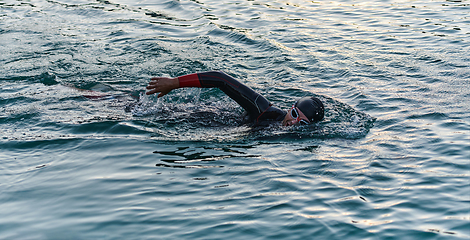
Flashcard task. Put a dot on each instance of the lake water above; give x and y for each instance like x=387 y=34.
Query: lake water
x=391 y=160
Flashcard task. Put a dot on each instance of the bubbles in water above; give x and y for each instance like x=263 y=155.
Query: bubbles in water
x=145 y=107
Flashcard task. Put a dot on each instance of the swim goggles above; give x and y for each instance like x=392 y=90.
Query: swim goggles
x=295 y=114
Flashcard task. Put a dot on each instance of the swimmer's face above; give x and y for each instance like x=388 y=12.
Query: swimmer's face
x=295 y=116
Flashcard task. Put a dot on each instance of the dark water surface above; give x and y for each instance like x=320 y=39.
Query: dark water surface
x=390 y=160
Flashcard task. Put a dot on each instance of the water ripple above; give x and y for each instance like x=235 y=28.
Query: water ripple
x=389 y=161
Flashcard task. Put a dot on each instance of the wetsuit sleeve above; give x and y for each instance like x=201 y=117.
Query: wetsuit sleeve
x=254 y=103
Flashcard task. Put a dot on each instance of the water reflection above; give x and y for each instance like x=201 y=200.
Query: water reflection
x=185 y=157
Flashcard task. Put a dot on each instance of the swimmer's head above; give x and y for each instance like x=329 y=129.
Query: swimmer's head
x=312 y=108
x=305 y=110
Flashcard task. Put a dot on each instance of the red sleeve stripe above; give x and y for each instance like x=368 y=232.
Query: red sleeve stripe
x=191 y=80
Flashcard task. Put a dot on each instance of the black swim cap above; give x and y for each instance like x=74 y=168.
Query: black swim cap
x=312 y=108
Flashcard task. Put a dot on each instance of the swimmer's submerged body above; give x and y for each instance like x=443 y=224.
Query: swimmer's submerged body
x=259 y=110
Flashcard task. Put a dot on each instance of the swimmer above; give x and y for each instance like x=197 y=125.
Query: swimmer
x=260 y=111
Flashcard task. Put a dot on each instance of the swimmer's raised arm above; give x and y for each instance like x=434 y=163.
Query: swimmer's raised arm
x=254 y=103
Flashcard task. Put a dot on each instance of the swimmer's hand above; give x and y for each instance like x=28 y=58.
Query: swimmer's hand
x=163 y=85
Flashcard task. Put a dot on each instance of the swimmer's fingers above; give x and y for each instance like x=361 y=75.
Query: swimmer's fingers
x=162 y=85
x=154 y=90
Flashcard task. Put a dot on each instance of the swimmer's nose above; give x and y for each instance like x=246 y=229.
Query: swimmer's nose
x=289 y=122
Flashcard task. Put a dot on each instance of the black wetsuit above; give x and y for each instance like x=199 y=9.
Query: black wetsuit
x=260 y=110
